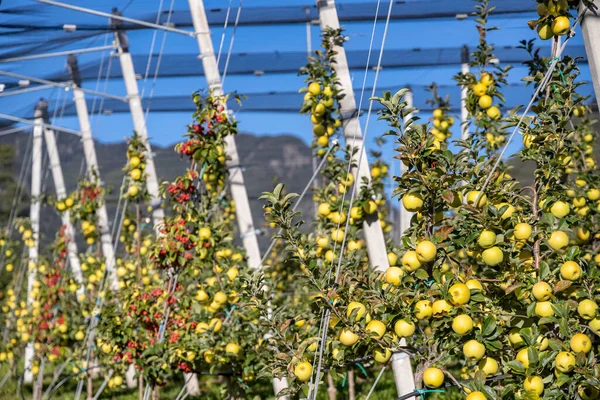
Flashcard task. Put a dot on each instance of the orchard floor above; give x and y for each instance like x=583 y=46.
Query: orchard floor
x=214 y=389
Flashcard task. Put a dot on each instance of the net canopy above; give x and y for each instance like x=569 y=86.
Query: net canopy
x=426 y=38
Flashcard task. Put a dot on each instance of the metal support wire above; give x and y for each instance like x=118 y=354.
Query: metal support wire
x=30 y=122
x=64 y=85
x=57 y=54
x=118 y=17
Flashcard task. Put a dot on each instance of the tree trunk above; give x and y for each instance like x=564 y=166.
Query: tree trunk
x=140 y=387
x=90 y=387
x=155 y=393
x=351 y=392
x=331 y=390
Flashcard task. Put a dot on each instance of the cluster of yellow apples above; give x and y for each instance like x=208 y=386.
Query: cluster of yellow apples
x=136 y=166
x=322 y=100
x=442 y=122
x=65 y=204
x=89 y=230
x=485 y=101
x=554 y=19
x=27 y=235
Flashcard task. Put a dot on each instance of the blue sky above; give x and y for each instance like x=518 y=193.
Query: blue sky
x=165 y=128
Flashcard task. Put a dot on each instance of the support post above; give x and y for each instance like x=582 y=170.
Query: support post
x=353 y=135
x=464 y=113
x=61 y=194
x=403 y=373
x=91 y=160
x=238 y=188
x=590 y=29
x=139 y=122
x=34 y=218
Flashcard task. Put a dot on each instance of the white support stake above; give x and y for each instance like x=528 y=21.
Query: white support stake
x=139 y=124
x=590 y=28
x=403 y=374
x=353 y=134
x=464 y=113
x=91 y=160
x=34 y=218
x=238 y=188
x=61 y=194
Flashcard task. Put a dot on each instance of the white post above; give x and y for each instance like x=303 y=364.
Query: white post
x=590 y=28
x=236 y=178
x=464 y=113
x=403 y=373
x=238 y=188
x=34 y=218
x=405 y=216
x=139 y=124
x=91 y=160
x=353 y=134
x=61 y=194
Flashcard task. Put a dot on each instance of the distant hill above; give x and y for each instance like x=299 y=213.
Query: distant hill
x=265 y=159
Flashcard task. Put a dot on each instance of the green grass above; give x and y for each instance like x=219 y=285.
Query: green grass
x=215 y=388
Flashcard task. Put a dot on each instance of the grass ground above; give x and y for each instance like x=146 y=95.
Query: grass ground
x=214 y=388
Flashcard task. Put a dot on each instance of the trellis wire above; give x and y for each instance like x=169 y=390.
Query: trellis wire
x=158 y=62
x=235 y=25
x=376 y=381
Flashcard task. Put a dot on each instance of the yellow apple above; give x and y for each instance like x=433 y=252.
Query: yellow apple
x=347 y=337
x=534 y=384
x=560 y=209
x=492 y=256
x=487 y=238
x=523 y=357
x=440 y=307
x=404 y=329
x=412 y=202
x=462 y=324
x=423 y=309
x=461 y=294
x=410 y=261
x=558 y=240
x=522 y=231
x=489 y=366
x=393 y=275
x=474 y=284
x=355 y=305
x=565 y=361
x=382 y=356
x=303 y=371
x=472 y=197
x=581 y=343
x=561 y=25
x=570 y=271
x=375 y=329
x=587 y=309
x=426 y=251
x=544 y=309
x=542 y=291
x=232 y=348
x=473 y=350
x=433 y=377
